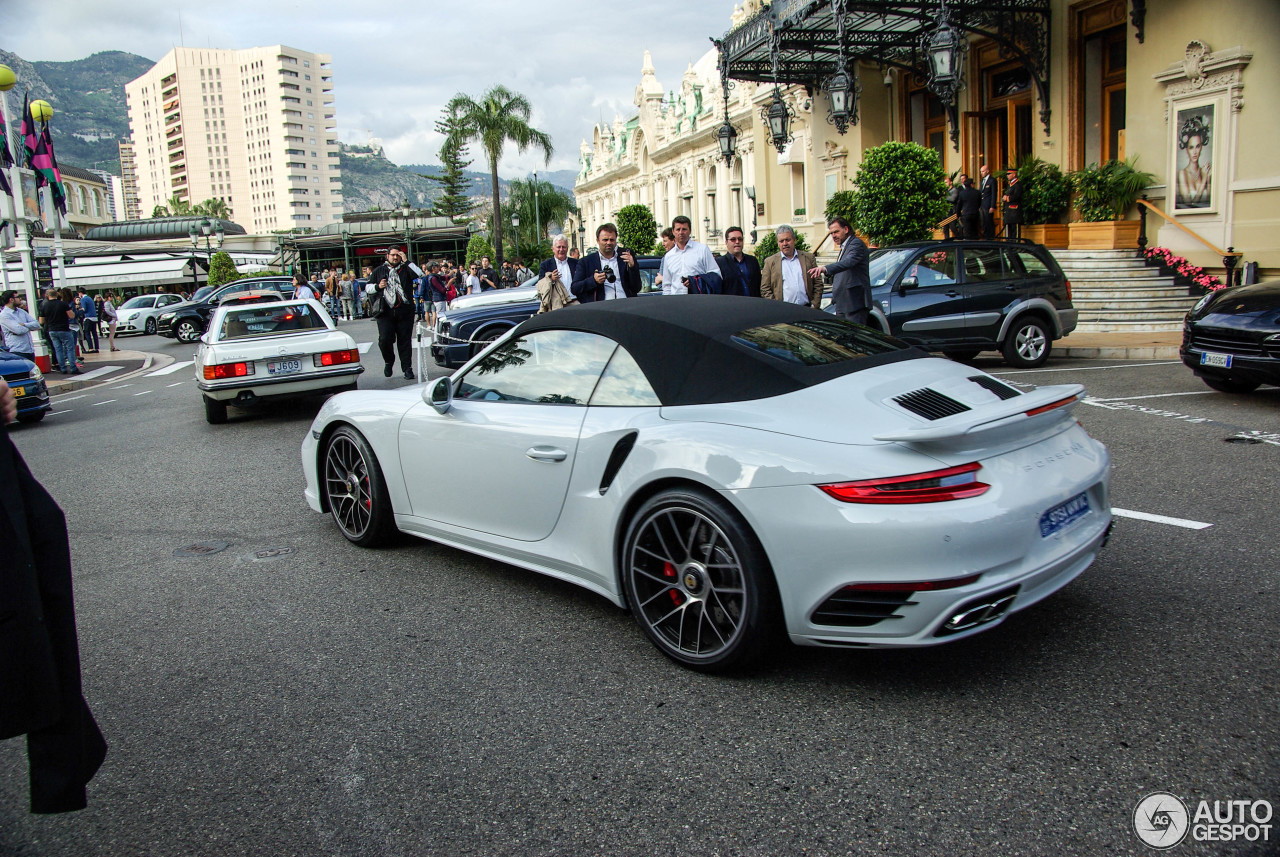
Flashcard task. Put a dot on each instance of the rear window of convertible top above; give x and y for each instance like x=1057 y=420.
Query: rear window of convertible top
x=817 y=343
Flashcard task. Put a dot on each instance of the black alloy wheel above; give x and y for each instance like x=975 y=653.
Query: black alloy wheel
x=186 y=330
x=481 y=342
x=698 y=581
x=215 y=411
x=1229 y=385
x=1028 y=343
x=355 y=489
x=151 y=326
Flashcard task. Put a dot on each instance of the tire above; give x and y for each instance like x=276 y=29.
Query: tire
x=1028 y=343
x=215 y=412
x=1227 y=385
x=482 y=342
x=355 y=490
x=151 y=326
x=963 y=356
x=32 y=418
x=186 y=330
x=711 y=607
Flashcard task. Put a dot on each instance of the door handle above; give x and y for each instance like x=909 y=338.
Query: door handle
x=547 y=454
x=953 y=294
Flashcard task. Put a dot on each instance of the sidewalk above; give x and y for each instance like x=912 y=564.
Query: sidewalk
x=1148 y=345
x=103 y=367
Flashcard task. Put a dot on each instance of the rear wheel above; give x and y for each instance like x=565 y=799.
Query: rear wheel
x=1227 y=385
x=151 y=326
x=1027 y=344
x=698 y=581
x=356 y=491
x=215 y=412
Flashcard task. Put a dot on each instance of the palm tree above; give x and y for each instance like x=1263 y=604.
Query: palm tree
x=212 y=207
x=499 y=117
x=178 y=207
x=553 y=204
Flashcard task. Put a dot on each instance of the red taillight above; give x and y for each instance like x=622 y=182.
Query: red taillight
x=1061 y=403
x=227 y=370
x=935 y=486
x=337 y=358
x=1068 y=282
x=914 y=586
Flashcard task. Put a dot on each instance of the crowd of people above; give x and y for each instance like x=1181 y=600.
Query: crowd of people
x=67 y=321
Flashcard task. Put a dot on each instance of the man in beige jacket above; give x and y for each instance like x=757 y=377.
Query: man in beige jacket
x=785 y=276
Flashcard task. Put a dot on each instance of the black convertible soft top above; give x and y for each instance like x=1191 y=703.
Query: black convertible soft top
x=684 y=344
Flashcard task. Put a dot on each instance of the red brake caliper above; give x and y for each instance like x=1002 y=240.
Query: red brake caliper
x=669 y=570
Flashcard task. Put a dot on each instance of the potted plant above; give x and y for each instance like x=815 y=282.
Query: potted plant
x=1045 y=199
x=901 y=193
x=1103 y=195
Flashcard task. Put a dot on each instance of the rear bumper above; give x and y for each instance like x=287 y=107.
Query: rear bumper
x=272 y=387
x=1068 y=319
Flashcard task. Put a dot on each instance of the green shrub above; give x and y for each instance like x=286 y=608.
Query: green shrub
x=900 y=193
x=1046 y=194
x=637 y=230
x=841 y=204
x=479 y=247
x=768 y=245
x=222 y=269
x=1106 y=192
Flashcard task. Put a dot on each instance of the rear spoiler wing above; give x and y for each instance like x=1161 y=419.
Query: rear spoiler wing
x=1061 y=397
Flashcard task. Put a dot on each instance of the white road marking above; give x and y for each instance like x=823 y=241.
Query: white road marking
x=1160 y=519
x=107 y=402
x=55 y=413
x=1272 y=438
x=1155 y=396
x=364 y=347
x=121 y=387
x=72 y=398
x=144 y=392
x=1088 y=368
x=179 y=384
x=95 y=373
x=171 y=368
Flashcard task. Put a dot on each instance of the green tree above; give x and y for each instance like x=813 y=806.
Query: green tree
x=222 y=269
x=637 y=229
x=454 y=201
x=768 y=245
x=477 y=247
x=901 y=193
x=1047 y=191
x=841 y=204
x=212 y=207
x=178 y=207
x=499 y=117
x=553 y=205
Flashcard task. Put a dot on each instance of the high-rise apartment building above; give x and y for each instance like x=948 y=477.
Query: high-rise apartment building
x=253 y=128
x=131 y=208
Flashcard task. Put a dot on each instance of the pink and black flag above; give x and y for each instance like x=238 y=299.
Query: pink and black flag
x=6 y=159
x=46 y=166
x=28 y=132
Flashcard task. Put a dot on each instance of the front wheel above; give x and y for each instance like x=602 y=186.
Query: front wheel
x=151 y=326
x=698 y=581
x=1228 y=385
x=1028 y=343
x=187 y=330
x=482 y=342
x=357 y=493
x=32 y=418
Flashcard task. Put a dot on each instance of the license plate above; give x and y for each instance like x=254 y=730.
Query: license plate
x=19 y=392
x=1063 y=515
x=283 y=367
x=1212 y=358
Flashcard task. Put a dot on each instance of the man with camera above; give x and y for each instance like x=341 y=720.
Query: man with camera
x=607 y=274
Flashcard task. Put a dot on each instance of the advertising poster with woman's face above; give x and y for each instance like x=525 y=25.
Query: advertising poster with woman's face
x=1195 y=158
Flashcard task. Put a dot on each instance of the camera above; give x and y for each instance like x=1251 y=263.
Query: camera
x=609 y=276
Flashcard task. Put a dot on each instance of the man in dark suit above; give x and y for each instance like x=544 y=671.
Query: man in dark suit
x=40 y=691
x=561 y=266
x=739 y=272
x=968 y=207
x=607 y=273
x=851 y=273
x=1012 y=204
x=987 y=187
x=394 y=281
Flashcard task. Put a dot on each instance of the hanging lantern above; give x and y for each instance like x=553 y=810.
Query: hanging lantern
x=728 y=138
x=779 y=119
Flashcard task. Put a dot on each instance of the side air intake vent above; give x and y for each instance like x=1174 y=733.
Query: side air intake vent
x=1001 y=389
x=930 y=404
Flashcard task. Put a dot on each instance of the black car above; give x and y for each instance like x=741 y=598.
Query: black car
x=963 y=297
x=186 y=321
x=462 y=333
x=1231 y=338
x=27 y=382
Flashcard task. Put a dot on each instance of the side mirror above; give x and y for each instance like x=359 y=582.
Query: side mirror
x=439 y=394
x=907 y=283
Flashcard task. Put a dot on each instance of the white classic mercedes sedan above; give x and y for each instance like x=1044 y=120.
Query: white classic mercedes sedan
x=258 y=347
x=731 y=470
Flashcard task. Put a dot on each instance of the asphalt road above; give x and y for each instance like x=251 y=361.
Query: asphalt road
x=419 y=700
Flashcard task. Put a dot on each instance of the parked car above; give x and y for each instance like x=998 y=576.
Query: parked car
x=1231 y=337
x=27 y=382
x=186 y=321
x=473 y=321
x=261 y=348
x=964 y=297
x=139 y=313
x=731 y=470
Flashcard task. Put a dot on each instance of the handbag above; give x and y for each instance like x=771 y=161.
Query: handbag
x=378 y=304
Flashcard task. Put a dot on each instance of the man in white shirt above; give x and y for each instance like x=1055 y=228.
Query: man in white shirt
x=561 y=264
x=686 y=258
x=18 y=326
x=786 y=273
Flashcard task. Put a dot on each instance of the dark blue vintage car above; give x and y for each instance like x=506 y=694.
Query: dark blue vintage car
x=27 y=383
x=473 y=322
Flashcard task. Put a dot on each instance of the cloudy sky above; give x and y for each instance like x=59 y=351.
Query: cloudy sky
x=397 y=63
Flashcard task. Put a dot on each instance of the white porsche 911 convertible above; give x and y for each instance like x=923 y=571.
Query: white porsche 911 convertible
x=731 y=469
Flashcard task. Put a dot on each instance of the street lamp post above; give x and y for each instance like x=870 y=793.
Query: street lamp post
x=582 y=238
x=346 y=251
x=194 y=234
x=537 y=215
x=515 y=224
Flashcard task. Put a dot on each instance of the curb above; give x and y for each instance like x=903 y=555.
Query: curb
x=149 y=361
x=1104 y=352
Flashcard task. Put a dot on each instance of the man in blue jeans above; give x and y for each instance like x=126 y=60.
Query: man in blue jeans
x=89 y=326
